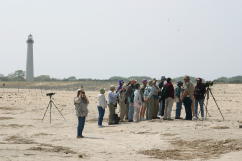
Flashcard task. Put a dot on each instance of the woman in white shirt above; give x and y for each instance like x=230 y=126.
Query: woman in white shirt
x=102 y=104
x=137 y=103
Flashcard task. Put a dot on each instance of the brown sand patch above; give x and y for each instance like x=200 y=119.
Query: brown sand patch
x=52 y=149
x=19 y=140
x=168 y=134
x=42 y=134
x=220 y=127
x=8 y=108
x=188 y=150
x=6 y=118
x=15 y=125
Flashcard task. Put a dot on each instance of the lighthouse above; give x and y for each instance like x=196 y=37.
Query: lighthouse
x=30 y=61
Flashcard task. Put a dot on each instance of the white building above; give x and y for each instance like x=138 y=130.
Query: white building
x=30 y=61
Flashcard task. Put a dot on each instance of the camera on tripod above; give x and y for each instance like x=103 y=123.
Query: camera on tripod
x=208 y=83
x=50 y=94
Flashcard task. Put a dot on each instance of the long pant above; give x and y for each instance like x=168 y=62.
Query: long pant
x=142 y=111
x=168 y=107
x=162 y=108
x=201 y=103
x=148 y=110
x=131 y=112
x=152 y=107
x=122 y=110
x=187 y=101
x=101 y=112
x=127 y=111
x=80 y=126
x=155 y=108
x=137 y=108
x=111 y=113
x=178 y=109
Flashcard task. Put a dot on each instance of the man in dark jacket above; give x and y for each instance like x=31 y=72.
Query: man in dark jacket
x=169 y=99
x=199 y=95
x=161 y=99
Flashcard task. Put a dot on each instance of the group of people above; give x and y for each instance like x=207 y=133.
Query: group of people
x=150 y=100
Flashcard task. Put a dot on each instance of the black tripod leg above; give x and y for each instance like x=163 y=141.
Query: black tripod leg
x=216 y=104
x=50 y=111
x=58 y=110
x=45 y=111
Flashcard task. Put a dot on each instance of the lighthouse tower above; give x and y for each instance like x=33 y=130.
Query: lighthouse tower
x=30 y=62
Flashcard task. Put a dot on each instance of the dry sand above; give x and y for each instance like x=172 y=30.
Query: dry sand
x=24 y=137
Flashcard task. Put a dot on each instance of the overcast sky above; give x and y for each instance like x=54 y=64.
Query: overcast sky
x=104 y=38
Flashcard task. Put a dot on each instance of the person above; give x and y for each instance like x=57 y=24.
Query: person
x=155 y=100
x=81 y=102
x=169 y=99
x=147 y=100
x=112 y=104
x=137 y=103
x=199 y=95
x=122 y=104
x=144 y=104
x=130 y=97
x=120 y=86
x=161 y=99
x=187 y=97
x=101 y=106
x=178 y=92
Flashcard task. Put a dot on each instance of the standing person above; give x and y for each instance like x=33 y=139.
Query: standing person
x=122 y=103
x=101 y=106
x=147 y=99
x=112 y=104
x=155 y=100
x=199 y=95
x=120 y=86
x=178 y=92
x=130 y=96
x=81 y=102
x=187 y=97
x=161 y=99
x=169 y=99
x=137 y=103
x=144 y=104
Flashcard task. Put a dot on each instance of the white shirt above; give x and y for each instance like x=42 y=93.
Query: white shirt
x=102 y=101
x=137 y=97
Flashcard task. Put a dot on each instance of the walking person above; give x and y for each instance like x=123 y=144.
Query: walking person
x=178 y=92
x=187 y=97
x=101 y=106
x=81 y=102
x=112 y=104
x=169 y=99
x=199 y=95
x=137 y=103
x=144 y=104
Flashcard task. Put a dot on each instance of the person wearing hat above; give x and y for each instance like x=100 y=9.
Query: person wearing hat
x=130 y=98
x=144 y=103
x=199 y=95
x=112 y=104
x=147 y=99
x=81 y=102
x=120 y=86
x=155 y=100
x=122 y=103
x=178 y=92
x=101 y=106
x=188 y=98
x=137 y=103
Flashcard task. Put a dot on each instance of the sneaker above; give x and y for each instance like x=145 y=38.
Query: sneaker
x=79 y=137
x=100 y=126
x=203 y=118
x=194 y=118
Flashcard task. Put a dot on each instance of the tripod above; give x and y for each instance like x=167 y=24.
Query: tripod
x=51 y=103
x=209 y=91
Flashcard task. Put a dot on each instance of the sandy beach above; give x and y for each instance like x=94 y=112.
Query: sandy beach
x=25 y=137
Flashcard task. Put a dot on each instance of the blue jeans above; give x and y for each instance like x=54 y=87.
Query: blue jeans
x=161 y=108
x=178 y=109
x=131 y=112
x=80 y=127
x=201 y=103
x=101 y=112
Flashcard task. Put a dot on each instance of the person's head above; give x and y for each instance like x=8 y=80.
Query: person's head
x=154 y=81
x=186 y=79
x=179 y=83
x=168 y=80
x=112 y=88
x=163 y=78
x=133 y=82
x=79 y=92
x=150 y=83
x=137 y=86
x=144 y=82
x=102 y=91
x=120 y=82
x=199 y=80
